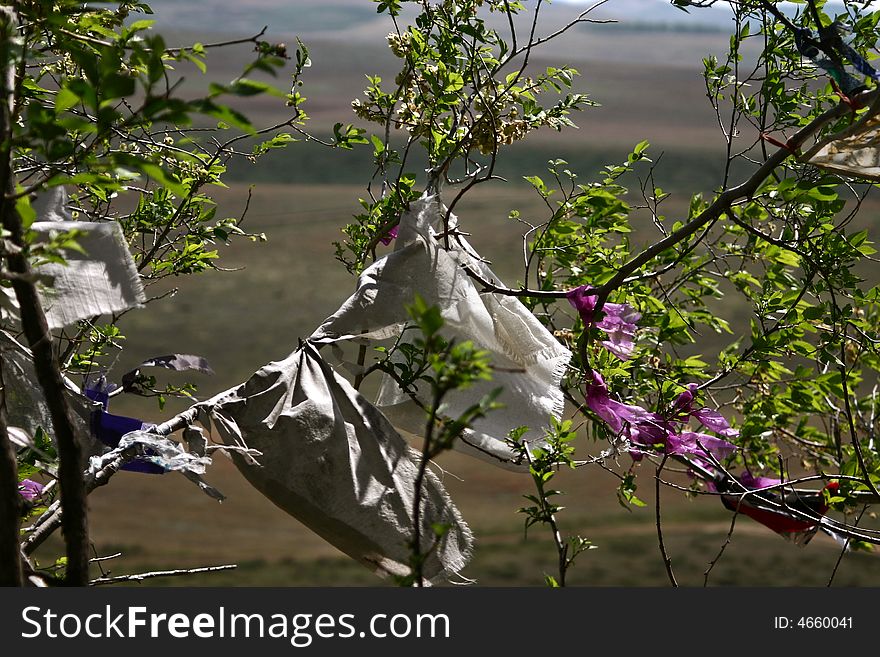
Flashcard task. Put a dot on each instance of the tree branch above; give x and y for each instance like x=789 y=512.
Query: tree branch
x=744 y=190
x=160 y=573
x=222 y=44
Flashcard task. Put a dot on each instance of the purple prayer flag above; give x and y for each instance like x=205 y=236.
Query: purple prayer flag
x=683 y=407
x=98 y=389
x=752 y=482
x=29 y=489
x=714 y=421
x=110 y=429
x=583 y=303
x=685 y=401
x=618 y=321
x=646 y=429
x=389 y=236
x=639 y=425
x=691 y=442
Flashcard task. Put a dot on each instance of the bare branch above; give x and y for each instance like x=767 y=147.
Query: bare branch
x=160 y=573
x=667 y=561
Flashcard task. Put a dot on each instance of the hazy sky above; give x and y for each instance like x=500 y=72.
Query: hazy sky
x=663 y=10
x=720 y=3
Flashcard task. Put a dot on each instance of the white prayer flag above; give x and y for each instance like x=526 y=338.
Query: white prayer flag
x=103 y=280
x=528 y=361
x=334 y=462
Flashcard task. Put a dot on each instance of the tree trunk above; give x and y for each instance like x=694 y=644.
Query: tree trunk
x=74 y=522
x=10 y=502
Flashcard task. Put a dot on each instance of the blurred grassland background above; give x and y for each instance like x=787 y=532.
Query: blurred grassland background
x=646 y=75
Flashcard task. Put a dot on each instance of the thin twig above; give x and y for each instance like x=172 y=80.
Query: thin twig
x=845 y=548
x=561 y=547
x=723 y=547
x=160 y=573
x=667 y=561
x=222 y=44
x=105 y=558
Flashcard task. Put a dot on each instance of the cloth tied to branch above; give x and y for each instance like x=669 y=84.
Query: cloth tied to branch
x=528 y=362
x=334 y=462
x=101 y=279
x=846 y=62
x=854 y=151
x=25 y=404
x=109 y=428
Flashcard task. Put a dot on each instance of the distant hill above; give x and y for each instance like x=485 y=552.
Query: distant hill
x=245 y=16
x=666 y=36
x=359 y=16
x=646 y=76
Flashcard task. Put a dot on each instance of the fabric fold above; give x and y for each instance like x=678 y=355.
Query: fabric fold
x=528 y=362
x=334 y=462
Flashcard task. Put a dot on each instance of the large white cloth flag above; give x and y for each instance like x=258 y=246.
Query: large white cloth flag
x=528 y=361
x=334 y=462
x=102 y=280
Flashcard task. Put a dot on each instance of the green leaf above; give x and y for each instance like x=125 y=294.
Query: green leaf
x=139 y=26
x=65 y=99
x=814 y=312
x=194 y=59
x=638 y=152
x=117 y=86
x=248 y=87
x=225 y=114
x=23 y=207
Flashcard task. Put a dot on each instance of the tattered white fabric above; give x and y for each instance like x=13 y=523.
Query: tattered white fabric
x=24 y=401
x=160 y=451
x=334 y=462
x=155 y=449
x=25 y=405
x=853 y=152
x=528 y=362
x=163 y=452
x=102 y=280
